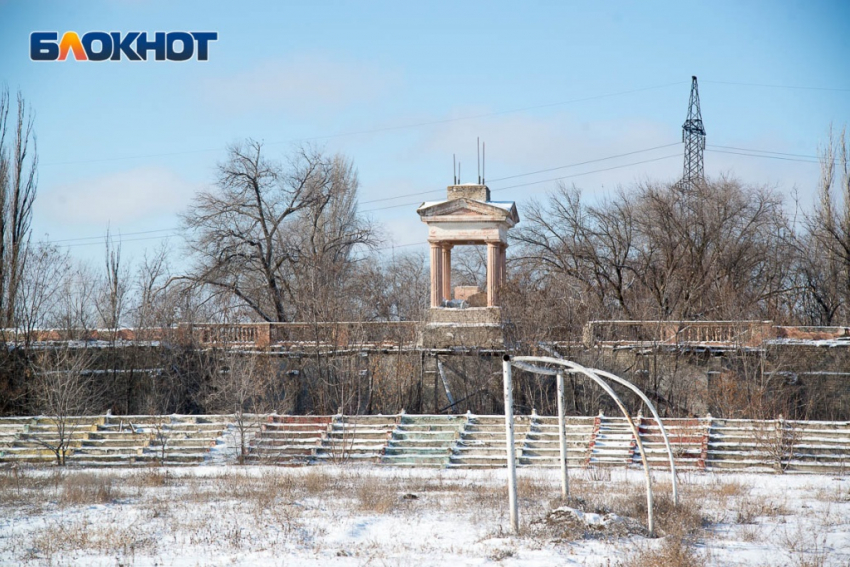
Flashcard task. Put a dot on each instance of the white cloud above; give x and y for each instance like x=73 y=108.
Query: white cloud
x=124 y=197
x=304 y=83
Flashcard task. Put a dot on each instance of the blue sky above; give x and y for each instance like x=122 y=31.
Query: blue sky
x=400 y=87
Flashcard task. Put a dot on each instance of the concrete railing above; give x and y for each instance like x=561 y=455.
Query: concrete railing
x=725 y=333
x=329 y=335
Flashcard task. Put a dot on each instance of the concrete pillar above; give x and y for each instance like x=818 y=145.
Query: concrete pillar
x=447 y=271
x=492 y=274
x=436 y=275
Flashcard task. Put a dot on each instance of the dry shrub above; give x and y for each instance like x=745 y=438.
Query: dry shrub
x=534 y=488
x=150 y=478
x=731 y=488
x=683 y=520
x=748 y=508
x=373 y=496
x=675 y=551
x=316 y=481
x=482 y=498
x=83 y=489
x=805 y=547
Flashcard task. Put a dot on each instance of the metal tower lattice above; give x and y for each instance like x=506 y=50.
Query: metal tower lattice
x=693 y=135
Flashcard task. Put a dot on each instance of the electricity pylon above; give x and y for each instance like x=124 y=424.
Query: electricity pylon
x=693 y=135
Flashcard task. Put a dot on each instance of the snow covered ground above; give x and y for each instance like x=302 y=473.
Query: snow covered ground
x=361 y=515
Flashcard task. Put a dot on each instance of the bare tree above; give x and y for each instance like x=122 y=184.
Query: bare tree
x=243 y=386
x=39 y=291
x=592 y=246
x=63 y=389
x=240 y=232
x=825 y=257
x=18 y=186
x=76 y=311
x=152 y=290
x=719 y=249
x=112 y=298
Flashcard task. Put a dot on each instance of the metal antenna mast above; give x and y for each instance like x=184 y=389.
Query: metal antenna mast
x=693 y=135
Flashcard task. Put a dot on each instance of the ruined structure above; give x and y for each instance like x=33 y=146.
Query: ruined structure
x=463 y=316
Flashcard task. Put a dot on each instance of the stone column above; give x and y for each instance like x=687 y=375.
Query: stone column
x=447 y=271
x=492 y=274
x=436 y=274
x=503 y=264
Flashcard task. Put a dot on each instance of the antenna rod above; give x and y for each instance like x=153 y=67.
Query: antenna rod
x=458 y=173
x=483 y=163
x=478 y=157
x=454 y=167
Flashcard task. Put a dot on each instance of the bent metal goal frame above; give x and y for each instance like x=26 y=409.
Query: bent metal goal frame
x=530 y=364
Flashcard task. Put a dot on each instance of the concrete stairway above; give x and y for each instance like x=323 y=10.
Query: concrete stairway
x=361 y=438
x=688 y=439
x=612 y=443
x=36 y=442
x=423 y=440
x=114 y=442
x=289 y=439
x=482 y=442
x=542 y=446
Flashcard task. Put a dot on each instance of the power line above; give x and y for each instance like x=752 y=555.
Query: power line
x=528 y=173
x=541 y=181
x=103 y=237
x=793 y=87
x=586 y=172
x=387 y=128
x=585 y=162
x=122 y=241
x=763 y=151
x=764 y=156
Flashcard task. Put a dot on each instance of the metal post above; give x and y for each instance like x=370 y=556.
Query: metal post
x=509 y=441
x=562 y=437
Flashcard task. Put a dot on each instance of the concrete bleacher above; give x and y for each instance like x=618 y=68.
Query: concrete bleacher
x=779 y=446
x=612 y=442
x=357 y=438
x=11 y=428
x=114 y=442
x=542 y=443
x=183 y=439
x=818 y=447
x=440 y=441
x=688 y=439
x=42 y=437
x=289 y=439
x=423 y=440
x=481 y=444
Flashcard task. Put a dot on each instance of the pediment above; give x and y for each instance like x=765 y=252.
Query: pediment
x=469 y=210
